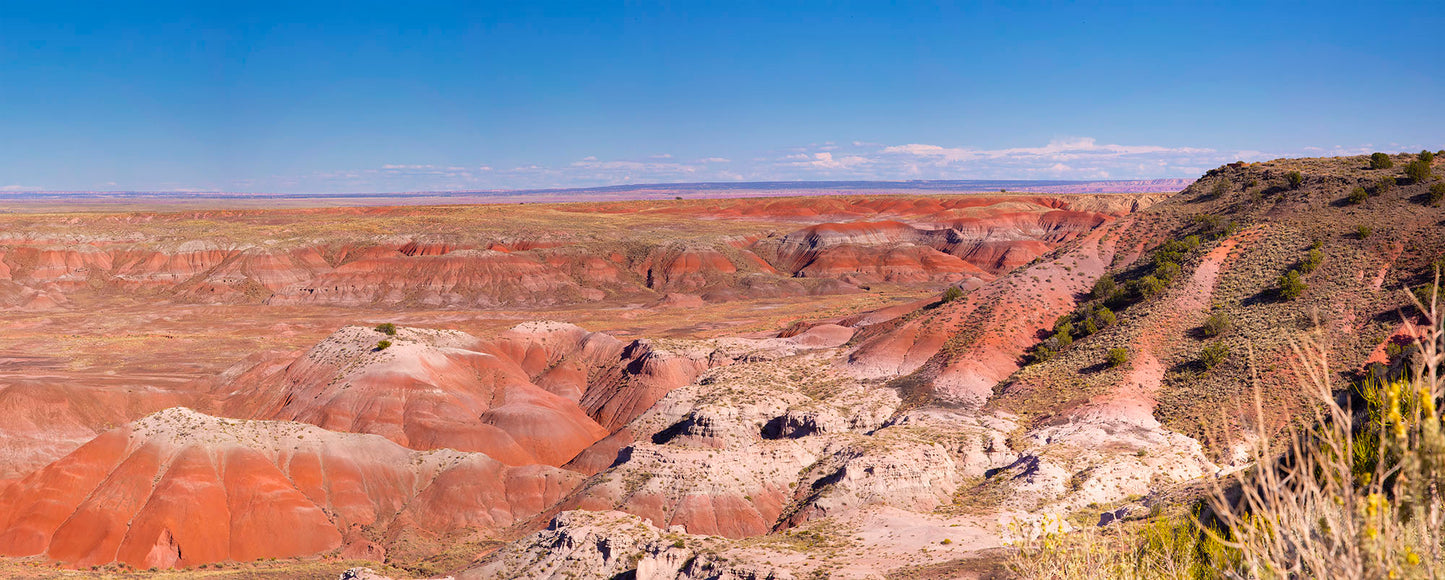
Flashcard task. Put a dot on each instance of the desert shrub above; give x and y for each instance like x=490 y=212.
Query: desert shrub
x=383 y=345
x=1220 y=188
x=1118 y=356
x=386 y=328
x=1106 y=317
x=1090 y=326
x=1214 y=354
x=1291 y=286
x=1174 y=250
x=1312 y=260
x=1358 y=195
x=1209 y=222
x=1417 y=171
x=1149 y=286
x=1216 y=324
x=1043 y=353
x=1064 y=336
x=1103 y=287
x=1363 y=231
x=1381 y=161
x=951 y=294
x=1294 y=178
x=1167 y=271
x=1426 y=155
x=1436 y=193
x=1383 y=186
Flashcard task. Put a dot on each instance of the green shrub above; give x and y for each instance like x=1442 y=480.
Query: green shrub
x=1436 y=193
x=1043 y=353
x=951 y=294
x=1103 y=287
x=1118 y=356
x=1381 y=161
x=1358 y=195
x=1426 y=156
x=1090 y=327
x=1065 y=335
x=1363 y=232
x=1149 y=286
x=1174 y=250
x=1214 y=354
x=1167 y=271
x=1294 y=178
x=383 y=345
x=1209 y=222
x=386 y=328
x=1220 y=188
x=1418 y=171
x=1383 y=186
x=1312 y=260
x=1291 y=286
x=1216 y=324
x=1106 y=317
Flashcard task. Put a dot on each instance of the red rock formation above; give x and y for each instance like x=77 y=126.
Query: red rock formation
x=965 y=347
x=44 y=420
x=640 y=378
x=179 y=489
x=896 y=239
x=1011 y=234
x=683 y=269
x=429 y=390
x=539 y=393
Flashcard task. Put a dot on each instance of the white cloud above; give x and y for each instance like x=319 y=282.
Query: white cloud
x=1077 y=158
x=825 y=160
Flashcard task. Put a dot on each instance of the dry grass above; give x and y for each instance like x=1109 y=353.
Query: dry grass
x=1355 y=496
x=1342 y=504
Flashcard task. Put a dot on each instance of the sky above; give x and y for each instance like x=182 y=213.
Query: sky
x=321 y=97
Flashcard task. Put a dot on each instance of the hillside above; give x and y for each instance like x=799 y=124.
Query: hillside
x=1251 y=227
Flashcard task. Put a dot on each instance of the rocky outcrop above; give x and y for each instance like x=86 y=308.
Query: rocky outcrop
x=579 y=544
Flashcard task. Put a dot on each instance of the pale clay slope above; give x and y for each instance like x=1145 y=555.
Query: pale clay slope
x=793 y=444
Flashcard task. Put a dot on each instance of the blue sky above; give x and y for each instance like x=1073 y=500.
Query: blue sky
x=393 y=96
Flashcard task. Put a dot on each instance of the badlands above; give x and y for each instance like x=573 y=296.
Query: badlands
x=855 y=386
